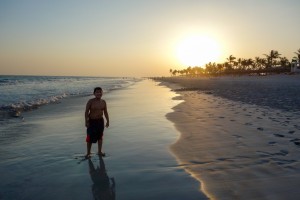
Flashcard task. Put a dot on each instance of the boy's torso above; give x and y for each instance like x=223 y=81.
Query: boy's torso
x=97 y=108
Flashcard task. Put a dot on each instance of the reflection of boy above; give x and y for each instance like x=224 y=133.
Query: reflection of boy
x=102 y=188
x=95 y=108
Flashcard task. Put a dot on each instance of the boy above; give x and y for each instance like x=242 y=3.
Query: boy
x=94 y=122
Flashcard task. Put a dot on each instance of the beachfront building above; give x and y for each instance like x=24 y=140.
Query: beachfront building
x=295 y=66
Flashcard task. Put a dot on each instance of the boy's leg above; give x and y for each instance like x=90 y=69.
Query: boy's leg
x=88 y=149
x=100 y=148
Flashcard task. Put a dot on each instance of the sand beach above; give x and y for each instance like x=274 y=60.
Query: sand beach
x=239 y=135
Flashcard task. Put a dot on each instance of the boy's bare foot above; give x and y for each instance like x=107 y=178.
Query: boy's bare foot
x=87 y=156
x=101 y=154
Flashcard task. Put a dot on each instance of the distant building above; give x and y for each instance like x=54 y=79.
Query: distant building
x=295 y=66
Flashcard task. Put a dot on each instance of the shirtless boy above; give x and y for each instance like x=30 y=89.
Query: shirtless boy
x=94 y=122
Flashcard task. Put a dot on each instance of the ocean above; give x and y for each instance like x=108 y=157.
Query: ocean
x=23 y=93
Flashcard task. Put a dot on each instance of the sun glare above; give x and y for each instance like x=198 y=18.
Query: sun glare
x=198 y=50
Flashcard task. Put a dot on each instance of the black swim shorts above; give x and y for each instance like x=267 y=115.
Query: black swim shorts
x=95 y=130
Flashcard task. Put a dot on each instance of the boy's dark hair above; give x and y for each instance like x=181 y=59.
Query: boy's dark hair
x=97 y=88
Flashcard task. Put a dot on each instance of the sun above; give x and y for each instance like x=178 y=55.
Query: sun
x=197 y=50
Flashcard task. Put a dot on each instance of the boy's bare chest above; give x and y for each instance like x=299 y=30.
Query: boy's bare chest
x=97 y=105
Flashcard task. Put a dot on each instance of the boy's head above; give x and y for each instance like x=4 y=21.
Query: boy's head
x=98 y=92
x=97 y=89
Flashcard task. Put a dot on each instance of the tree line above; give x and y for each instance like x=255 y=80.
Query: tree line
x=272 y=63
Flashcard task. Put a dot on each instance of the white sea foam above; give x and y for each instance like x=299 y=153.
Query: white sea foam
x=19 y=93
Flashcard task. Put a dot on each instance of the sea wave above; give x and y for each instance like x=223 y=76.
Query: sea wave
x=24 y=93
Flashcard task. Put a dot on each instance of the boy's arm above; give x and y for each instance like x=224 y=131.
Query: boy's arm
x=87 y=111
x=106 y=115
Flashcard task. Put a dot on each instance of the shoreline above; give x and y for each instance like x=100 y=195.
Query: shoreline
x=235 y=148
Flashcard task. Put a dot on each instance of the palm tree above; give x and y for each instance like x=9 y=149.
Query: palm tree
x=199 y=70
x=174 y=72
x=244 y=64
x=231 y=59
x=220 y=68
x=211 y=68
x=257 y=62
x=249 y=63
x=227 y=67
x=181 y=72
x=189 y=70
x=298 y=54
x=260 y=62
x=239 y=63
x=185 y=71
x=284 y=62
x=271 y=57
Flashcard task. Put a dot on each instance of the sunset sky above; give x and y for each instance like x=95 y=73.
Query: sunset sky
x=139 y=37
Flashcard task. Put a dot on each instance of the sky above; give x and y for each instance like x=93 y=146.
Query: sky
x=138 y=37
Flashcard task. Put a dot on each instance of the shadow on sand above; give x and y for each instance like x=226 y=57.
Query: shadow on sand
x=103 y=187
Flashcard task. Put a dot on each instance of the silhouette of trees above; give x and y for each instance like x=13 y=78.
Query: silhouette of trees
x=273 y=63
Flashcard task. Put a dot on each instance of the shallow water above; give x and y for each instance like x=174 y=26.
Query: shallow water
x=42 y=157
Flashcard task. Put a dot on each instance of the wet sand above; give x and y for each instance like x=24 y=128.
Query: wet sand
x=238 y=142
x=42 y=155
